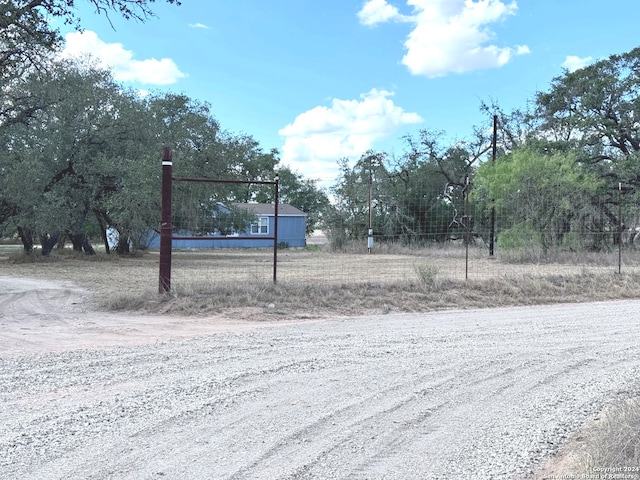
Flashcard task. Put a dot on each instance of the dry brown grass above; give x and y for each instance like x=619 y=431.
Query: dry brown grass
x=608 y=447
x=613 y=444
x=317 y=283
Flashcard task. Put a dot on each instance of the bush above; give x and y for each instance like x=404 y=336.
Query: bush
x=427 y=275
x=521 y=237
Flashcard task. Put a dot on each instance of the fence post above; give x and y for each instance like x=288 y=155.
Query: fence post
x=494 y=149
x=166 y=229
x=467 y=227
x=276 y=201
x=619 y=227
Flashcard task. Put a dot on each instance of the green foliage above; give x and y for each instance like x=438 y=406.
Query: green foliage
x=27 y=41
x=336 y=228
x=79 y=153
x=59 y=150
x=418 y=198
x=367 y=179
x=89 y=159
x=426 y=196
x=532 y=174
x=538 y=197
x=594 y=112
x=596 y=107
x=520 y=237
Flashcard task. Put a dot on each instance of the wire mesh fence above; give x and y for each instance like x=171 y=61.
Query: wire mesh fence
x=454 y=238
x=244 y=267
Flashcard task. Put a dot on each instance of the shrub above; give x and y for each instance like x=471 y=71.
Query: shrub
x=427 y=275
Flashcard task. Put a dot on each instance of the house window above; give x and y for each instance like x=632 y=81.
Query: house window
x=262 y=227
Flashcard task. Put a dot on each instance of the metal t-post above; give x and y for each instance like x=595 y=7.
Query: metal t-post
x=619 y=227
x=467 y=227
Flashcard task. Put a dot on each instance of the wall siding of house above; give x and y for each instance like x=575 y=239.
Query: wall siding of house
x=291 y=231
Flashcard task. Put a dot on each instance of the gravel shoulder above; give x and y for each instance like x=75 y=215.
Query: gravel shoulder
x=467 y=394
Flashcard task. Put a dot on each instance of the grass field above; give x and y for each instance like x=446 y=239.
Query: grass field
x=315 y=282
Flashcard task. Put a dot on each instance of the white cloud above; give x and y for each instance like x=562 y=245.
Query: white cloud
x=120 y=61
x=573 y=63
x=379 y=11
x=449 y=36
x=319 y=137
x=199 y=25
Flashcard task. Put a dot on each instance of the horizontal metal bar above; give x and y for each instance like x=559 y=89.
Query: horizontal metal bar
x=211 y=180
x=222 y=238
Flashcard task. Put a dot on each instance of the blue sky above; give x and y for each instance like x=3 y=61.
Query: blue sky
x=324 y=80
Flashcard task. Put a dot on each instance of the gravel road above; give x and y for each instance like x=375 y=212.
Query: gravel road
x=477 y=394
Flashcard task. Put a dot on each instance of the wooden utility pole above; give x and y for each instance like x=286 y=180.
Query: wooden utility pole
x=369 y=227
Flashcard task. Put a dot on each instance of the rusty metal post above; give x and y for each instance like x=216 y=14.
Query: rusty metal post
x=275 y=229
x=166 y=229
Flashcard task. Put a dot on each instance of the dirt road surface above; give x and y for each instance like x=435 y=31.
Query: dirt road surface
x=476 y=394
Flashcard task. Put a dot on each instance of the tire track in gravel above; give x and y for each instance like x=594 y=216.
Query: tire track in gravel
x=467 y=394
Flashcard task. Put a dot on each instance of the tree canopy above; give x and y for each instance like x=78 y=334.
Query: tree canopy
x=27 y=41
x=90 y=161
x=539 y=197
x=563 y=168
x=80 y=152
x=79 y=155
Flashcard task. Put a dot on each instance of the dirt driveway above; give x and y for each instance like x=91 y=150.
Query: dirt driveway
x=39 y=316
x=474 y=394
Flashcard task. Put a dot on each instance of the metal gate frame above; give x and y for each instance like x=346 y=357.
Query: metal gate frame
x=166 y=227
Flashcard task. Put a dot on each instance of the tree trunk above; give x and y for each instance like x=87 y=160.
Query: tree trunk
x=103 y=230
x=48 y=242
x=26 y=236
x=123 y=244
x=81 y=243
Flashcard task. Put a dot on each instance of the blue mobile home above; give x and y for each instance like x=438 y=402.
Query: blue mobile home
x=292 y=224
